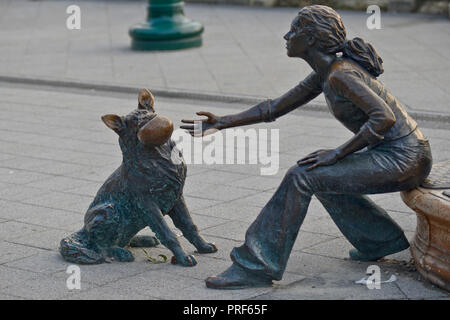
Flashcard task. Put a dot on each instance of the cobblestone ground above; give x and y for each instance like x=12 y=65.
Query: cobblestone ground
x=55 y=153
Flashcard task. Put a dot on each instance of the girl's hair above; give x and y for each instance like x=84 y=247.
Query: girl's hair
x=326 y=26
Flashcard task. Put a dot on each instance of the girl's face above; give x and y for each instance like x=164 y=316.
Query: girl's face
x=296 y=40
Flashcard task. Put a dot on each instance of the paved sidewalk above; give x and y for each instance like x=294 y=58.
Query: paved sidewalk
x=243 y=51
x=55 y=153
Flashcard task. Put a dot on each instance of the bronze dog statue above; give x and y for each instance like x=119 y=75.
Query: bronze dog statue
x=147 y=185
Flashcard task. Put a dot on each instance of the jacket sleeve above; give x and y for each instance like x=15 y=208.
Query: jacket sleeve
x=380 y=116
x=301 y=94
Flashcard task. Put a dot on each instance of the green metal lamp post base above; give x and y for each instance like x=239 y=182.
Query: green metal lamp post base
x=166 y=28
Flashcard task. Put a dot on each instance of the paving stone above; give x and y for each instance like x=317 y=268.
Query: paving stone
x=12 y=230
x=204 y=222
x=215 y=177
x=11 y=251
x=419 y=289
x=234 y=230
x=9 y=297
x=220 y=193
x=394 y=204
x=63 y=201
x=56 y=219
x=337 y=248
x=194 y=203
x=11 y=210
x=46 y=287
x=288 y=280
x=323 y=289
x=314 y=265
x=59 y=183
x=228 y=211
x=260 y=183
x=106 y=273
x=321 y=224
x=155 y=284
x=45 y=262
x=307 y=239
x=48 y=239
x=92 y=174
x=169 y=286
x=246 y=169
x=89 y=189
x=258 y=199
x=407 y=221
x=196 y=189
x=10 y=276
x=109 y=293
x=19 y=192
x=43 y=166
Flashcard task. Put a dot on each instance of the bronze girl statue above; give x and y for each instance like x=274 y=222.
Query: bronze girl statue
x=387 y=153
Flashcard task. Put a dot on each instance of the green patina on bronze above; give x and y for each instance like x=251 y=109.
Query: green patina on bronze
x=166 y=28
x=146 y=186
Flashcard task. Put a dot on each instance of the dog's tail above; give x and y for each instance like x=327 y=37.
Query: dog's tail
x=73 y=249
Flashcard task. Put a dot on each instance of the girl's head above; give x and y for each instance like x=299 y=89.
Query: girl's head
x=322 y=27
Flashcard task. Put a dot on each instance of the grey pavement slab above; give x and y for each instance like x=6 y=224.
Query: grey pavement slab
x=44 y=287
x=48 y=239
x=13 y=251
x=168 y=286
x=107 y=292
x=39 y=207
x=219 y=192
x=45 y=262
x=60 y=200
x=319 y=289
x=230 y=211
x=242 y=53
x=12 y=230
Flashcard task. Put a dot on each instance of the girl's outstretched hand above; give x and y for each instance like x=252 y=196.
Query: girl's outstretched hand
x=210 y=125
x=323 y=157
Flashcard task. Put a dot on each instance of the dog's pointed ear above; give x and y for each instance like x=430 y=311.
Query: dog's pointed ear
x=113 y=122
x=146 y=100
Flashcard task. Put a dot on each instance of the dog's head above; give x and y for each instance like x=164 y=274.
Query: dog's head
x=142 y=125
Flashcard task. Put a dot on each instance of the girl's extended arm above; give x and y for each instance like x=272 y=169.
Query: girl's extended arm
x=265 y=111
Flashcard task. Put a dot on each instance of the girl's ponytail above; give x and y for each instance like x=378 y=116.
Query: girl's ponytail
x=364 y=54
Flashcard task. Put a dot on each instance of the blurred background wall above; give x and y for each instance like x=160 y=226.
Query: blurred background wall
x=440 y=7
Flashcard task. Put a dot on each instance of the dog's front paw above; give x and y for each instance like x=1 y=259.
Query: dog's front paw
x=186 y=260
x=207 y=248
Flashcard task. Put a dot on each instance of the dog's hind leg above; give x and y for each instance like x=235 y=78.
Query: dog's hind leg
x=183 y=221
x=74 y=249
x=144 y=241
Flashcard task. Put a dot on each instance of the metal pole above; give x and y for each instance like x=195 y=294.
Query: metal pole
x=166 y=28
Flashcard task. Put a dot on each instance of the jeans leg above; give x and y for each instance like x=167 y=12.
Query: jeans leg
x=365 y=225
x=269 y=239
